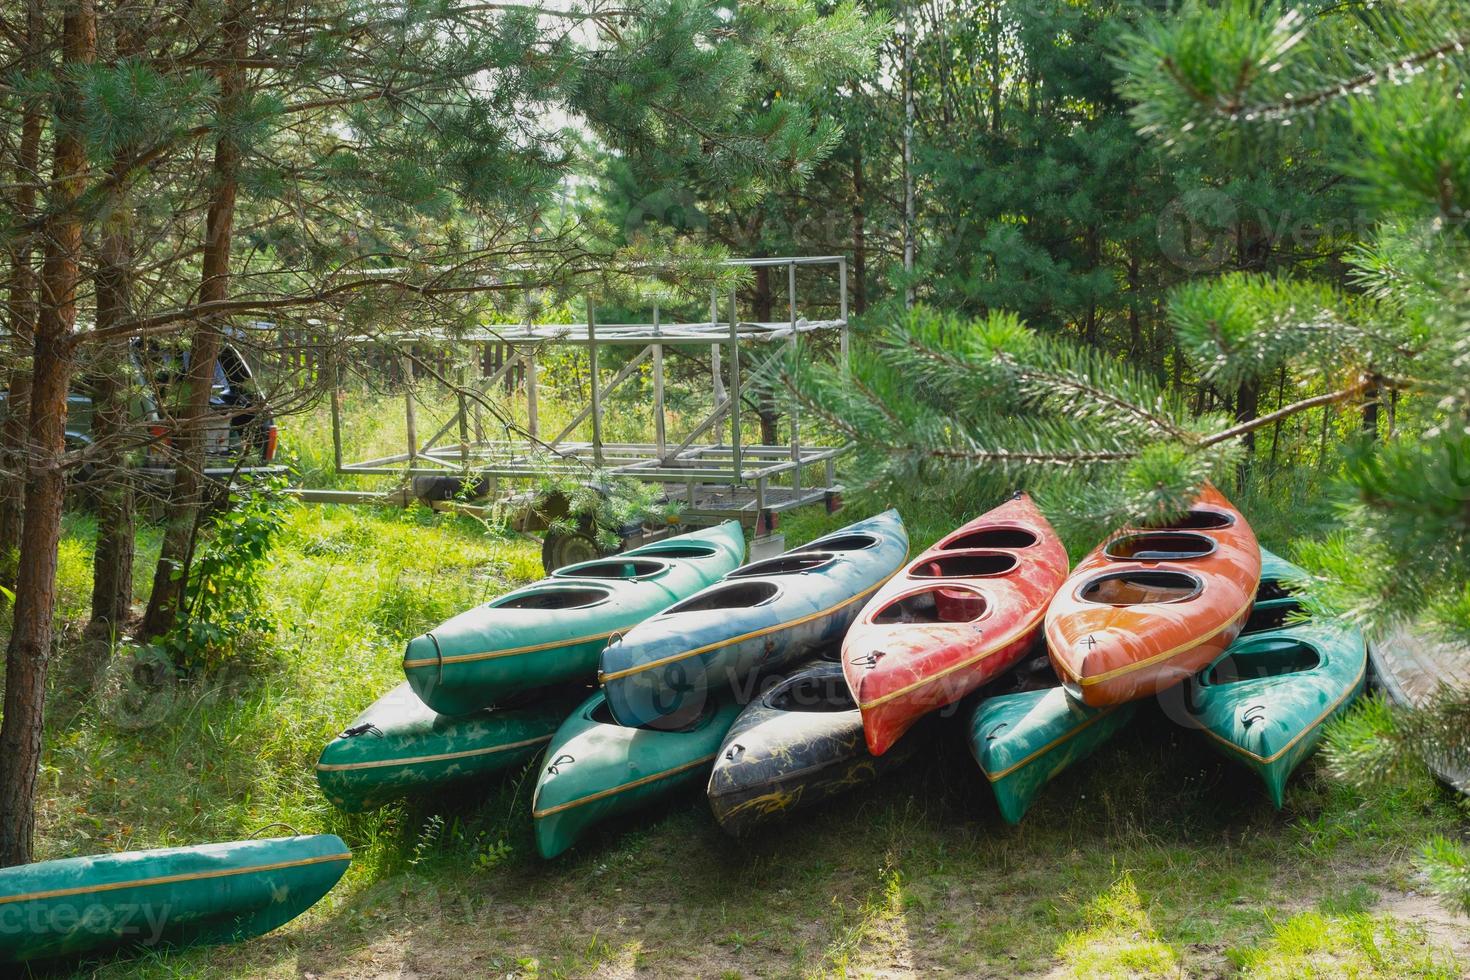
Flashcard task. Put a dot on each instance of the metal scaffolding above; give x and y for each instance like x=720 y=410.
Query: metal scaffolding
x=710 y=469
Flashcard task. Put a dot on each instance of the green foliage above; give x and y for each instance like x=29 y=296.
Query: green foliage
x=1447 y=865
x=1314 y=944
x=603 y=504
x=932 y=395
x=222 y=606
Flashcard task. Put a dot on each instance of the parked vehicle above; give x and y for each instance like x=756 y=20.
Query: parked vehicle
x=240 y=437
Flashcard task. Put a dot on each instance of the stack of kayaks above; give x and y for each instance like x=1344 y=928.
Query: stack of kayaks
x=704 y=670
x=674 y=685
x=1151 y=606
x=179 y=896
x=1265 y=700
x=495 y=688
x=958 y=616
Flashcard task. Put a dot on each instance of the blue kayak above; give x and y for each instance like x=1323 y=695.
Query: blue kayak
x=755 y=621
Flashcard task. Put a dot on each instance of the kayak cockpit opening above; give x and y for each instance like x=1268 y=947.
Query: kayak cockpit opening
x=553 y=598
x=1273 y=615
x=1198 y=519
x=601 y=714
x=1159 y=546
x=734 y=595
x=856 y=541
x=965 y=565
x=1272 y=657
x=678 y=549
x=1271 y=588
x=817 y=691
x=1138 y=588
x=991 y=537
x=785 y=565
x=947 y=604
x=613 y=568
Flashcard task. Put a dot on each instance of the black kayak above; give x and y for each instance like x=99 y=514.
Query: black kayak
x=795 y=746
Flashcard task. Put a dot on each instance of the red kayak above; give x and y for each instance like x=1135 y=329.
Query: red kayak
x=959 y=615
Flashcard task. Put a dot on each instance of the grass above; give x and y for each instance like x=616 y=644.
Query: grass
x=1155 y=857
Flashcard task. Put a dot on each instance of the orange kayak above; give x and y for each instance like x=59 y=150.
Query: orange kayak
x=956 y=617
x=1152 y=606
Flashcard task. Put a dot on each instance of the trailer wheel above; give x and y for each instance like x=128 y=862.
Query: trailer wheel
x=562 y=548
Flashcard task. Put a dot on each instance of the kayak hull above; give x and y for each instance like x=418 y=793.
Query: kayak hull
x=1022 y=741
x=1150 y=607
x=212 y=893
x=401 y=747
x=758 y=621
x=1266 y=700
x=596 y=769
x=799 y=744
x=959 y=615
x=551 y=632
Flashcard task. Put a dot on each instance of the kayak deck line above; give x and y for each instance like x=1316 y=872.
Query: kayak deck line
x=789 y=624
x=514 y=651
x=173 y=879
x=614 y=790
x=1140 y=664
x=1030 y=758
x=1268 y=759
x=441 y=757
x=987 y=652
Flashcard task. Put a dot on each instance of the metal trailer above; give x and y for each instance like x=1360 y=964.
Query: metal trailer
x=711 y=471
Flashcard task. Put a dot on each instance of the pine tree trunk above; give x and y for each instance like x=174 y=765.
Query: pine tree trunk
x=859 y=237
x=31 y=632
x=112 y=566
x=1371 y=396
x=21 y=317
x=112 y=578
x=170 y=577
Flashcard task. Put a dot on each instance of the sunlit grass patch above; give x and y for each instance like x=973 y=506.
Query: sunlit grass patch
x=1356 y=945
x=1118 y=939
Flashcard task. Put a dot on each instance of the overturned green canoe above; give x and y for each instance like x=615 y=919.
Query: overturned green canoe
x=178 y=896
x=552 y=631
x=1022 y=741
x=400 y=746
x=595 y=769
x=1265 y=700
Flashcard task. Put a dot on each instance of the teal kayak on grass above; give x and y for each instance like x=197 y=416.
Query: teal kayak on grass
x=596 y=769
x=551 y=632
x=1022 y=741
x=758 y=621
x=177 y=896
x=400 y=747
x=1265 y=701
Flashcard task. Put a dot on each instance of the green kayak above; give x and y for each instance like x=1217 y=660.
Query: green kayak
x=552 y=631
x=1022 y=741
x=400 y=746
x=1266 y=699
x=596 y=768
x=178 y=896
